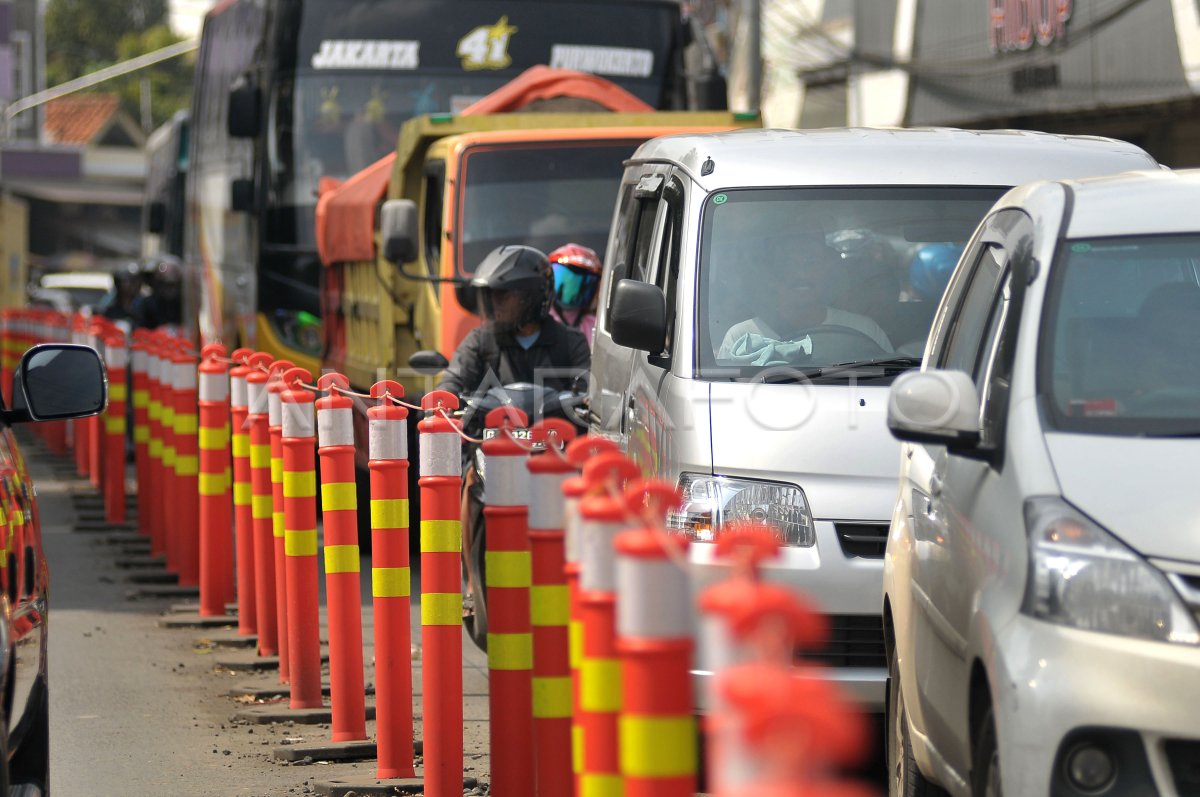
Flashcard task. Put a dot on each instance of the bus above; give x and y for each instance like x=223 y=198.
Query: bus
x=163 y=205
x=294 y=96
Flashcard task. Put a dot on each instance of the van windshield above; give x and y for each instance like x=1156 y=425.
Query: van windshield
x=827 y=283
x=1119 y=353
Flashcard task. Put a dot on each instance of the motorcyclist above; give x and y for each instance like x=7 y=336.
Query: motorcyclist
x=576 y=283
x=519 y=340
x=163 y=306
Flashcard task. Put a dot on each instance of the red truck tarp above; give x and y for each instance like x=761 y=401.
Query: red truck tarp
x=346 y=214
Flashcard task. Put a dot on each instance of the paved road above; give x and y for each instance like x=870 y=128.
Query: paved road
x=136 y=709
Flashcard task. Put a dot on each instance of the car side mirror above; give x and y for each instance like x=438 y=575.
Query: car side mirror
x=244 y=102
x=935 y=406
x=156 y=217
x=638 y=316
x=398 y=230
x=241 y=195
x=428 y=362
x=57 y=381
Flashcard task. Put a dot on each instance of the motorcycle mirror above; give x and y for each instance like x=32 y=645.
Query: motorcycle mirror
x=428 y=362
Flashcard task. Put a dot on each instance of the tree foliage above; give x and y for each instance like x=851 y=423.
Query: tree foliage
x=85 y=35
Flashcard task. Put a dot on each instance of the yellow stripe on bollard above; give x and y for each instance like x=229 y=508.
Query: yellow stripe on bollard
x=114 y=425
x=593 y=785
x=576 y=748
x=242 y=494
x=391 y=582
x=657 y=747
x=241 y=444
x=188 y=423
x=575 y=643
x=510 y=651
x=600 y=685
x=341 y=558
x=551 y=697
x=141 y=398
x=117 y=392
x=276 y=524
x=300 y=542
x=141 y=434
x=441 y=536
x=260 y=507
x=441 y=608
x=187 y=465
x=213 y=484
x=156 y=447
x=389 y=513
x=214 y=439
x=508 y=568
x=276 y=469
x=300 y=485
x=260 y=456
x=338 y=496
x=549 y=604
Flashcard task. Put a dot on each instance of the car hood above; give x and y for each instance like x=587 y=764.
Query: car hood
x=831 y=440
x=1143 y=490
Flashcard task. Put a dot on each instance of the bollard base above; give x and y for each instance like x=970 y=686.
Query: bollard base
x=328 y=751
x=101 y=526
x=149 y=576
x=228 y=639
x=362 y=786
x=171 y=620
x=163 y=591
x=137 y=561
x=127 y=538
x=279 y=712
x=276 y=690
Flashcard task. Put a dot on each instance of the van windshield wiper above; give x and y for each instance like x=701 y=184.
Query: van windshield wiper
x=889 y=366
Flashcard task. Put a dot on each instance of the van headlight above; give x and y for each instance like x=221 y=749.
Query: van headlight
x=1083 y=577
x=709 y=502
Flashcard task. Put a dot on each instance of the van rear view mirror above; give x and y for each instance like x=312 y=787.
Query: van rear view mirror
x=244 y=103
x=638 y=316
x=241 y=195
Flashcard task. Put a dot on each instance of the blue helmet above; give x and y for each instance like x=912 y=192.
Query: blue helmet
x=931 y=268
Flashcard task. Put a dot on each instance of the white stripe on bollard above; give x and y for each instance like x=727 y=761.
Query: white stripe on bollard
x=388 y=439
x=441 y=454
x=335 y=427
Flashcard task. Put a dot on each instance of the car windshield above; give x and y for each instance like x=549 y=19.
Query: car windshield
x=1119 y=354
x=827 y=283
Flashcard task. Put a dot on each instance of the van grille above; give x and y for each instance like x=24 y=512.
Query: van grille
x=854 y=641
x=1184 y=759
x=862 y=540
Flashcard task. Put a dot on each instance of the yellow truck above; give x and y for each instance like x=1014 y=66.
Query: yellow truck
x=14 y=249
x=457 y=187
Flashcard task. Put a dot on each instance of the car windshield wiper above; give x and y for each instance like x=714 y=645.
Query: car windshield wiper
x=889 y=365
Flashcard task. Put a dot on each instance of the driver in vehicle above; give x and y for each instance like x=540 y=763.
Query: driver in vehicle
x=519 y=340
x=790 y=309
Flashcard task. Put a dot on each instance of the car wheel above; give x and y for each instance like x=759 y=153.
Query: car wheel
x=904 y=777
x=985 y=763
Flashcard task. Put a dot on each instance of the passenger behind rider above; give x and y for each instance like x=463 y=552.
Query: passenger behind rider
x=794 y=299
x=519 y=340
x=576 y=283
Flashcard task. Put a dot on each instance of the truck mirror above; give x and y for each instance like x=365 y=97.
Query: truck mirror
x=241 y=195
x=244 y=101
x=639 y=316
x=156 y=217
x=398 y=229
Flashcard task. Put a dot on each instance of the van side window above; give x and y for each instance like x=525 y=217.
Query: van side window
x=666 y=274
x=620 y=247
x=966 y=341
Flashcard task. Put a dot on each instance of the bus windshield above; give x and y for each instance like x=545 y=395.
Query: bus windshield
x=538 y=195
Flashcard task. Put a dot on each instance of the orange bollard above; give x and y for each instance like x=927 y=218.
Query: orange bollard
x=390 y=582
x=275 y=388
x=441 y=594
x=156 y=481
x=80 y=426
x=261 y=505
x=603 y=511
x=300 y=539
x=170 y=482
x=216 y=554
x=579 y=451
x=114 y=427
x=95 y=423
x=185 y=509
x=339 y=514
x=141 y=429
x=243 y=516
x=549 y=611
x=507 y=575
x=654 y=640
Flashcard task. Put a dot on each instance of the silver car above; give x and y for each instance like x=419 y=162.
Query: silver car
x=761 y=290
x=1042 y=577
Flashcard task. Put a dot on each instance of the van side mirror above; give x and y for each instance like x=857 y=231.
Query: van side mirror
x=428 y=362
x=398 y=230
x=156 y=217
x=241 y=195
x=638 y=316
x=57 y=381
x=244 y=102
x=935 y=406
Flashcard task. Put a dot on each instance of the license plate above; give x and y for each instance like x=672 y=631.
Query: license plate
x=516 y=434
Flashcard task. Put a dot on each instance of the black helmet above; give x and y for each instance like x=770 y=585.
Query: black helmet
x=522 y=270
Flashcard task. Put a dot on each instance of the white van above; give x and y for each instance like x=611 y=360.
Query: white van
x=762 y=289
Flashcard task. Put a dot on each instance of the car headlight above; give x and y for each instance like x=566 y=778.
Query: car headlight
x=1081 y=576
x=709 y=502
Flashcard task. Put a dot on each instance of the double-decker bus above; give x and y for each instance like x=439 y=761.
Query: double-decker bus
x=293 y=95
